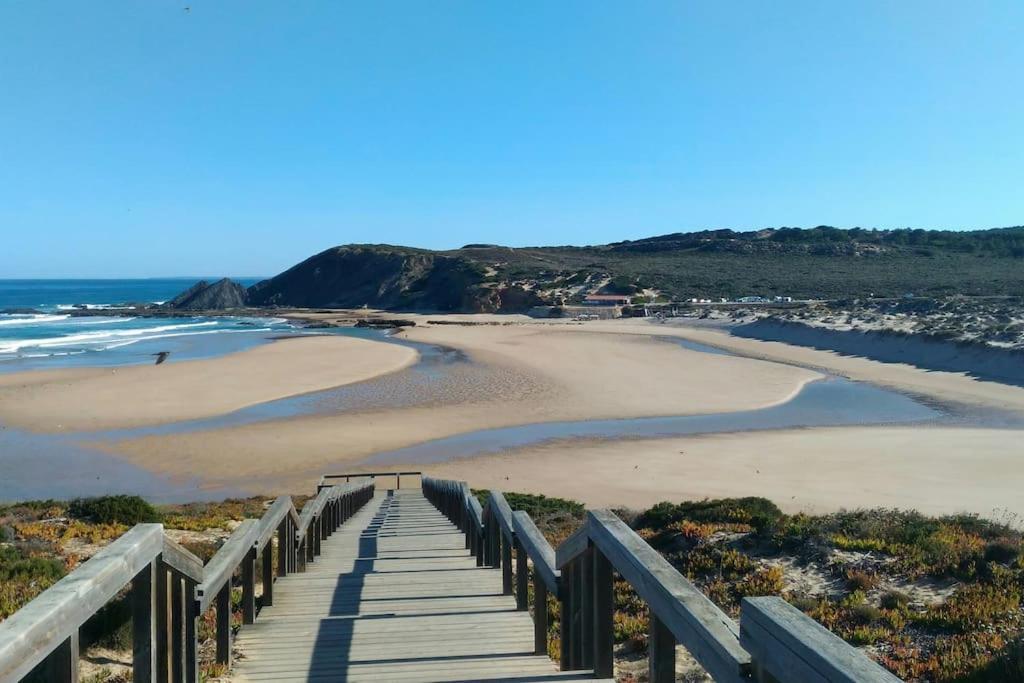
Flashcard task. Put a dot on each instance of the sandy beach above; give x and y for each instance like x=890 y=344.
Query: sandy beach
x=933 y=470
x=84 y=399
x=525 y=374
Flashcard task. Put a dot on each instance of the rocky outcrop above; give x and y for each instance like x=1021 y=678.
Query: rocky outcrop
x=380 y=277
x=202 y=296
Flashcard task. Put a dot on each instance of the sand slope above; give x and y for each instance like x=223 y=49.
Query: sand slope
x=80 y=399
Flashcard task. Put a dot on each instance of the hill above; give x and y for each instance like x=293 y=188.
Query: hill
x=816 y=263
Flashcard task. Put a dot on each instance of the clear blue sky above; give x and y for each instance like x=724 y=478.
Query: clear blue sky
x=137 y=138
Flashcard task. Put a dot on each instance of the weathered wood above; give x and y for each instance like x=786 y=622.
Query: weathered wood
x=61 y=666
x=191 y=633
x=38 y=628
x=143 y=599
x=565 y=618
x=538 y=549
x=586 y=563
x=790 y=647
x=540 y=616
x=506 y=564
x=249 y=587
x=163 y=623
x=572 y=547
x=271 y=521
x=604 y=616
x=177 y=636
x=522 y=577
x=502 y=513
x=282 y=548
x=707 y=632
x=223 y=564
x=661 y=653
x=268 y=575
x=224 y=625
x=576 y=653
x=181 y=561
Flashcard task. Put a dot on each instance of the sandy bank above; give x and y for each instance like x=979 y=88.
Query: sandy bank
x=82 y=399
x=942 y=386
x=934 y=470
x=526 y=374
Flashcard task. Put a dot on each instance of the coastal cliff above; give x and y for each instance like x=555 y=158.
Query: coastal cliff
x=221 y=295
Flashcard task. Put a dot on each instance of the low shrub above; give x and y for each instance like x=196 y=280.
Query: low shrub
x=118 y=509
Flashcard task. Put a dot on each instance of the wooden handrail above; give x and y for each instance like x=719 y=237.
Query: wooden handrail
x=537 y=549
x=774 y=642
x=695 y=622
x=170 y=589
x=226 y=560
x=182 y=561
x=53 y=618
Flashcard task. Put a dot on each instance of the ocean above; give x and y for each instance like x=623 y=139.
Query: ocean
x=38 y=330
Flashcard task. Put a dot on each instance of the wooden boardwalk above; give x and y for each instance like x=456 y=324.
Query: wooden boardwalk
x=395 y=596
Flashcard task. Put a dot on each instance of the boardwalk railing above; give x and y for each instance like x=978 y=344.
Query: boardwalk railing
x=169 y=589
x=772 y=642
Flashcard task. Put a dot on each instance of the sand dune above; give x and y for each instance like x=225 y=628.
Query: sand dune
x=80 y=399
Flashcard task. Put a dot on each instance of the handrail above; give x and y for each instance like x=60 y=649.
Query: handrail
x=773 y=641
x=53 y=618
x=502 y=512
x=537 y=549
x=371 y=475
x=227 y=558
x=695 y=622
x=273 y=517
x=170 y=589
x=182 y=561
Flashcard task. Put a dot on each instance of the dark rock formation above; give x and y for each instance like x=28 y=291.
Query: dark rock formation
x=380 y=277
x=202 y=296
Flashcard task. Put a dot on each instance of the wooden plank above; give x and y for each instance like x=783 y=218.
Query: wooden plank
x=272 y=519
x=226 y=560
x=143 y=599
x=661 y=653
x=38 y=628
x=790 y=646
x=249 y=586
x=224 y=625
x=61 y=666
x=572 y=547
x=537 y=548
x=163 y=623
x=604 y=616
x=707 y=632
x=181 y=561
x=177 y=635
x=267 y=577
x=522 y=577
x=502 y=512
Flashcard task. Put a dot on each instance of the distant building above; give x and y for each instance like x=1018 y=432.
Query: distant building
x=606 y=300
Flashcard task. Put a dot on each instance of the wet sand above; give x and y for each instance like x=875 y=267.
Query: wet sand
x=86 y=399
x=935 y=470
x=530 y=374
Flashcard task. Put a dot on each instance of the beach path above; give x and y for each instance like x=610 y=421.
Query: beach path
x=395 y=596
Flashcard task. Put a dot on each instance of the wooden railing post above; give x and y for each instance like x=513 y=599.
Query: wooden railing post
x=522 y=577
x=661 y=652
x=143 y=599
x=268 y=574
x=177 y=638
x=506 y=563
x=586 y=565
x=163 y=626
x=61 y=666
x=224 y=625
x=191 y=633
x=282 y=547
x=604 y=616
x=540 y=615
x=565 y=617
x=249 y=587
